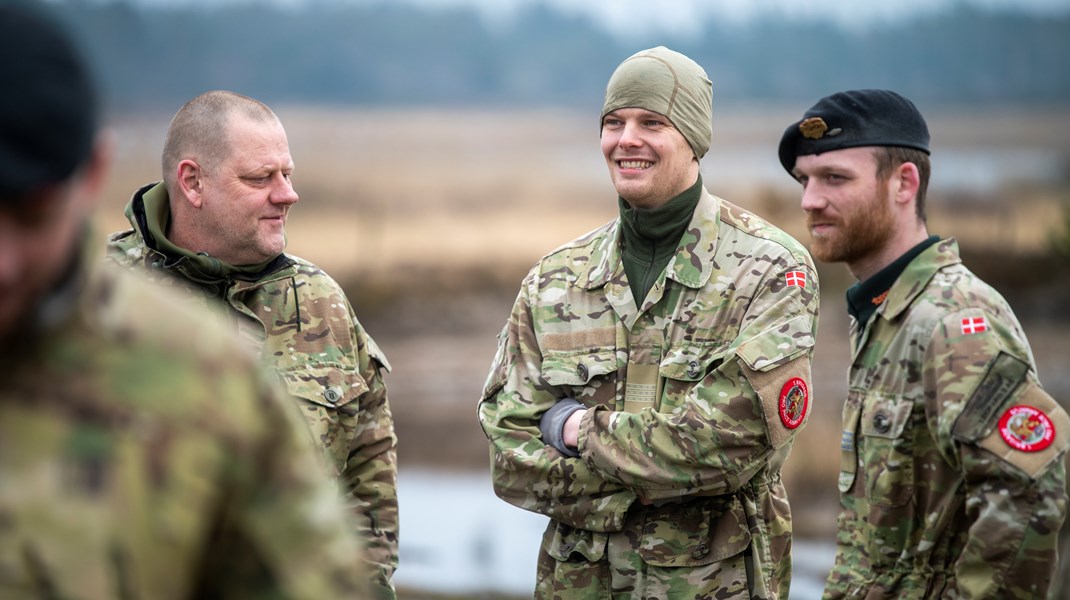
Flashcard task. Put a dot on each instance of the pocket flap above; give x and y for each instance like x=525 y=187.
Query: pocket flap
x=699 y=532
x=570 y=368
x=691 y=362
x=777 y=345
x=570 y=544
x=328 y=386
x=886 y=417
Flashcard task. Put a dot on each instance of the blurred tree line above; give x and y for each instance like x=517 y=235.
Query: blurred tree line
x=399 y=54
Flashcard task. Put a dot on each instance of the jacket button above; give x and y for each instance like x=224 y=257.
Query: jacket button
x=331 y=395
x=882 y=423
x=700 y=551
x=581 y=370
x=692 y=369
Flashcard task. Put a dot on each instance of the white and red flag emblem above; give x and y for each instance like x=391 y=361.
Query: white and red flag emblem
x=796 y=278
x=974 y=325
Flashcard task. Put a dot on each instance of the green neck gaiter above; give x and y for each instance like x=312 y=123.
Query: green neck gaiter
x=651 y=237
x=201 y=268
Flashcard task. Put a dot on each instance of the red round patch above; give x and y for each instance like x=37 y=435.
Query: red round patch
x=794 y=400
x=1026 y=428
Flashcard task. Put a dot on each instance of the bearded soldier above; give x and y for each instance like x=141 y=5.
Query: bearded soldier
x=952 y=476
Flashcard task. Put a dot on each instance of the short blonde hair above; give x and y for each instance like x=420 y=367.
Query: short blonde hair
x=198 y=130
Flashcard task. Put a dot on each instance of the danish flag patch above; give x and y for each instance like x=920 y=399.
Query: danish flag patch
x=796 y=278
x=974 y=325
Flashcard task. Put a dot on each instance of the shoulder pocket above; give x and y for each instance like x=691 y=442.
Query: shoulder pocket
x=327 y=386
x=699 y=532
x=778 y=345
x=1032 y=433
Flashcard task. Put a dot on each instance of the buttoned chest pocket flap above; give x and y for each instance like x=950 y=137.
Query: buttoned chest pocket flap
x=694 y=533
x=329 y=387
x=887 y=457
x=683 y=367
x=584 y=372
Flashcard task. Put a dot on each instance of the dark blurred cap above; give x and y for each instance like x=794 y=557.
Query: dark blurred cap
x=855 y=118
x=48 y=110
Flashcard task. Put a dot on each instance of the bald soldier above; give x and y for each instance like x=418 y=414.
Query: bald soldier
x=142 y=452
x=215 y=226
x=952 y=477
x=654 y=373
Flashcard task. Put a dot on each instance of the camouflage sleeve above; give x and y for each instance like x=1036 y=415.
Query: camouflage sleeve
x=370 y=477
x=1007 y=437
x=730 y=422
x=284 y=532
x=525 y=472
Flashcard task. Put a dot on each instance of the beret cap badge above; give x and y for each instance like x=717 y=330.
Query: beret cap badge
x=813 y=128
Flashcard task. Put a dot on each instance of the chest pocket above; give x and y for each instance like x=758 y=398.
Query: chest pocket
x=683 y=367
x=587 y=376
x=886 y=447
x=328 y=397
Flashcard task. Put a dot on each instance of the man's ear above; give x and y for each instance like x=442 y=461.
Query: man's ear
x=190 y=179
x=907 y=181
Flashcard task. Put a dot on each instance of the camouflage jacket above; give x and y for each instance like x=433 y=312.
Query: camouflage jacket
x=143 y=454
x=952 y=480
x=694 y=401
x=301 y=323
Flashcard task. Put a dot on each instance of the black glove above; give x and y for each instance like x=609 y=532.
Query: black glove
x=552 y=425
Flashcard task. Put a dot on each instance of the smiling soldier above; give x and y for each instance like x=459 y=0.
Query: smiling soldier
x=653 y=374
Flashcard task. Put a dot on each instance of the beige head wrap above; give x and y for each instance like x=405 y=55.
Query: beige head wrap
x=670 y=84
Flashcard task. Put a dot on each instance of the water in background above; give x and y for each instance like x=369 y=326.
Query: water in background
x=457 y=537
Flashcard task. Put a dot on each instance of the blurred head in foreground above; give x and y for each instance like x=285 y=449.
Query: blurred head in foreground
x=52 y=160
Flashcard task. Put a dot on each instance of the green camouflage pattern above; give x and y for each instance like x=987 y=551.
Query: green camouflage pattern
x=301 y=323
x=144 y=454
x=682 y=497
x=934 y=502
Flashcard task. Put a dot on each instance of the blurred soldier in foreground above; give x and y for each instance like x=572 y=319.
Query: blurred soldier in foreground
x=653 y=373
x=142 y=454
x=215 y=226
x=952 y=475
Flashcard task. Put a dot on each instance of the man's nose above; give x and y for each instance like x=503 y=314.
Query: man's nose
x=812 y=198
x=283 y=191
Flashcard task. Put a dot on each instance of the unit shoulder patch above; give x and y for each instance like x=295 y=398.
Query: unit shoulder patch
x=794 y=402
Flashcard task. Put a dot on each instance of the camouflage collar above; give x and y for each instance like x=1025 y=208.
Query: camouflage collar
x=918 y=274
x=691 y=265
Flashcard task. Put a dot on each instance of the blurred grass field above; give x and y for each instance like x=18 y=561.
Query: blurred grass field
x=431 y=218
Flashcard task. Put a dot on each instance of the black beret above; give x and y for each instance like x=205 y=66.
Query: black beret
x=48 y=111
x=855 y=118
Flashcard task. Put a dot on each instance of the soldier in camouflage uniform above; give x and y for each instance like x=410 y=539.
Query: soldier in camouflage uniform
x=142 y=453
x=653 y=373
x=952 y=475
x=215 y=226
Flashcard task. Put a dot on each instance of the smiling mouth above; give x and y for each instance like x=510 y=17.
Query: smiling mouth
x=635 y=164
